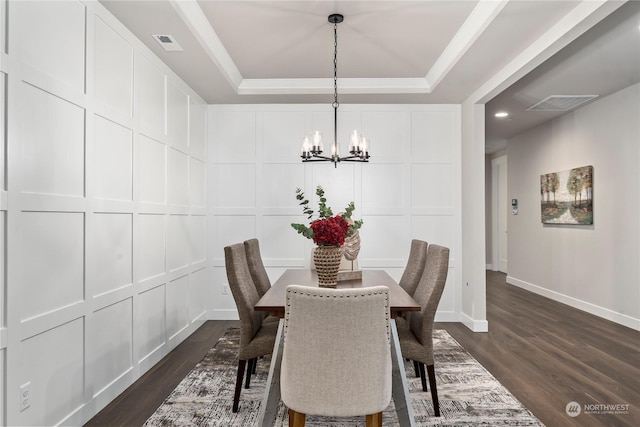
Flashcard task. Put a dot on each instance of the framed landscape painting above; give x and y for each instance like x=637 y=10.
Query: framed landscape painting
x=567 y=196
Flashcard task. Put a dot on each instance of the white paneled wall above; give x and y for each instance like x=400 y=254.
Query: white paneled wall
x=103 y=212
x=3 y=208
x=410 y=189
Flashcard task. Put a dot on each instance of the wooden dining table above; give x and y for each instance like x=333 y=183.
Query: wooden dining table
x=274 y=302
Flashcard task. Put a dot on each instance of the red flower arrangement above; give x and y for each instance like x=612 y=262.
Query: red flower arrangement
x=328 y=230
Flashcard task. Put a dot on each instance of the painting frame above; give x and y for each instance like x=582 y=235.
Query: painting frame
x=566 y=197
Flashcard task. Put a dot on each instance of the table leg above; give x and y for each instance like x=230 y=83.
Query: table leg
x=399 y=386
x=271 y=399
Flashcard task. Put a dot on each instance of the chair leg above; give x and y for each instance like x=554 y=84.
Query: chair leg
x=255 y=364
x=423 y=377
x=374 y=420
x=236 y=395
x=249 y=371
x=296 y=419
x=415 y=368
x=434 y=391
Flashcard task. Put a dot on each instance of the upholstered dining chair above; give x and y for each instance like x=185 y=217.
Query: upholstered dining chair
x=337 y=332
x=256 y=337
x=416 y=335
x=256 y=266
x=258 y=273
x=413 y=272
x=415 y=266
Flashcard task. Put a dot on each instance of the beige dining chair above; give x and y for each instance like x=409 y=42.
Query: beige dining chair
x=416 y=335
x=337 y=332
x=256 y=337
x=415 y=266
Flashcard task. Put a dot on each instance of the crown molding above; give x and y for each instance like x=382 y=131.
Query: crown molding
x=348 y=86
x=584 y=16
x=193 y=16
x=476 y=23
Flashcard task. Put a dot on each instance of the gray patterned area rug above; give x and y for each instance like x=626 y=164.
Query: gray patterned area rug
x=469 y=395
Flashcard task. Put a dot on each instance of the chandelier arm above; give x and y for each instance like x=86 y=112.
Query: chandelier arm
x=354 y=159
x=318 y=159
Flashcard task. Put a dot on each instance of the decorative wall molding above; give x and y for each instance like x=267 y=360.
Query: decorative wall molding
x=411 y=188
x=103 y=211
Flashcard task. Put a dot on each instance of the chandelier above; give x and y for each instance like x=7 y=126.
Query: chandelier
x=312 y=145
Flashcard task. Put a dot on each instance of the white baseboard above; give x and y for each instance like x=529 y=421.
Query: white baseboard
x=474 y=325
x=489 y=267
x=199 y=319
x=596 y=310
x=223 y=314
x=447 y=316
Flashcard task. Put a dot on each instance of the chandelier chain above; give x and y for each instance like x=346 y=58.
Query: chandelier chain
x=335 y=65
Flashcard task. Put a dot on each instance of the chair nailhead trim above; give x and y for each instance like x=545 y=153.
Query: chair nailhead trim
x=315 y=294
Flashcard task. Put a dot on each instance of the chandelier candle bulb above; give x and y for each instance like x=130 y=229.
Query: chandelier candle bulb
x=305 y=147
x=354 y=142
x=317 y=142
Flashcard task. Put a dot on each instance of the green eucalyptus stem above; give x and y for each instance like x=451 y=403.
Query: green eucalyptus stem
x=304 y=230
x=304 y=203
x=354 y=227
x=324 y=211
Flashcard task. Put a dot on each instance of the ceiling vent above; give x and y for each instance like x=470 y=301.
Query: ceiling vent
x=168 y=42
x=561 y=102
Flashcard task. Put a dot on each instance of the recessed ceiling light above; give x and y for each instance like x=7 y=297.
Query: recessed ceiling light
x=502 y=114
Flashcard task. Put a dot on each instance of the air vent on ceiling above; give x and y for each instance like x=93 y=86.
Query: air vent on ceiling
x=561 y=102
x=168 y=42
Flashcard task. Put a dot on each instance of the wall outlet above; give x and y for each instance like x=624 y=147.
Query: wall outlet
x=225 y=289
x=25 y=396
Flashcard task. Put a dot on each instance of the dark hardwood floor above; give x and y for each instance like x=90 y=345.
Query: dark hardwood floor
x=549 y=354
x=546 y=353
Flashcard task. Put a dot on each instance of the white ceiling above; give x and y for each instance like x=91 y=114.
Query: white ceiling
x=416 y=51
x=602 y=61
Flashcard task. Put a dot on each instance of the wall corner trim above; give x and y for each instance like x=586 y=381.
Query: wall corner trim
x=473 y=324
